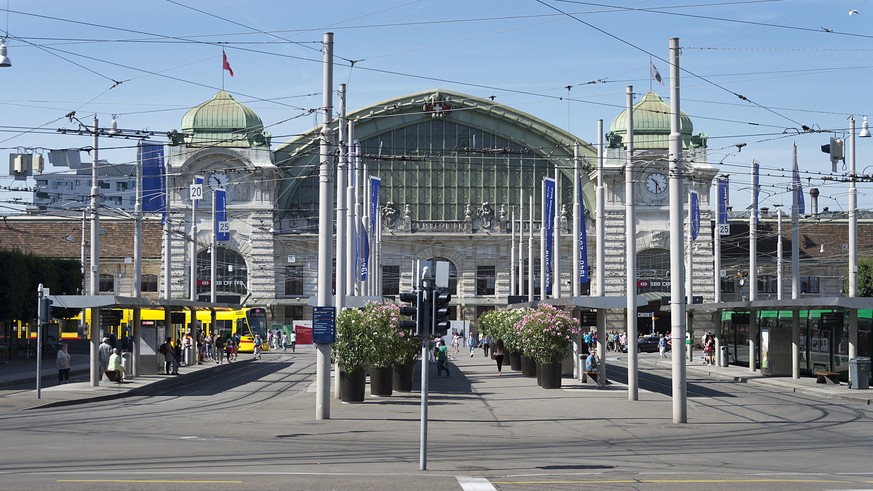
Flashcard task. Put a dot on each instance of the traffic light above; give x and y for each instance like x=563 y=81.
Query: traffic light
x=441 y=322
x=412 y=310
x=835 y=150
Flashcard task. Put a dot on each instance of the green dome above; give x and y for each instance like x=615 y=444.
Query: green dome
x=651 y=125
x=223 y=122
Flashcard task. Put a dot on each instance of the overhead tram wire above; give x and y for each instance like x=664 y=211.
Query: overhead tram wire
x=352 y=63
x=628 y=43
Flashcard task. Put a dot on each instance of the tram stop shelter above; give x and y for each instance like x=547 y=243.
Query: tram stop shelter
x=756 y=332
x=145 y=341
x=592 y=313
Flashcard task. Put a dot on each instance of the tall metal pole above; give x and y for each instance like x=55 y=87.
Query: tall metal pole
x=677 y=267
x=716 y=246
x=853 y=247
x=341 y=232
x=780 y=254
x=512 y=253
x=556 y=237
x=630 y=253
x=521 y=281
x=40 y=316
x=795 y=268
x=193 y=274
x=426 y=288
x=600 y=197
x=530 y=253
x=753 y=267
x=213 y=256
x=137 y=270
x=341 y=204
x=543 y=219
x=95 y=257
x=577 y=217
x=689 y=276
x=325 y=231
x=350 y=213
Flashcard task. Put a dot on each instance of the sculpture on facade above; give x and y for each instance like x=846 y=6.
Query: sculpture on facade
x=390 y=213
x=486 y=215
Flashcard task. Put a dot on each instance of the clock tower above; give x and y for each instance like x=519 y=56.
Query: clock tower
x=651 y=119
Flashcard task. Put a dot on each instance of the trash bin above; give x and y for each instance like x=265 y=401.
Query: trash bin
x=126 y=363
x=188 y=359
x=723 y=357
x=859 y=373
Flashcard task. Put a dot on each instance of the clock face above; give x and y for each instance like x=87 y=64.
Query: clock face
x=656 y=184
x=218 y=180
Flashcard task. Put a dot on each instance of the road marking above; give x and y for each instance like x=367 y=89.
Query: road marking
x=154 y=481
x=668 y=481
x=475 y=484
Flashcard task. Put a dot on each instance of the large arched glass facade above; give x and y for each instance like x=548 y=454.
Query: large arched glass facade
x=441 y=165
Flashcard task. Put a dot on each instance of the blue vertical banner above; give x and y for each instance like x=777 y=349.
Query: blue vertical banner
x=375 y=184
x=801 y=205
x=583 y=236
x=549 y=219
x=695 y=215
x=364 y=260
x=756 y=186
x=723 y=200
x=219 y=211
x=154 y=183
x=370 y=236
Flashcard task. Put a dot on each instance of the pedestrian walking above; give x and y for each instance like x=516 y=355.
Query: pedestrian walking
x=498 y=353
x=219 y=349
x=63 y=362
x=229 y=349
x=293 y=339
x=442 y=358
x=103 y=353
x=284 y=341
x=256 y=346
x=662 y=346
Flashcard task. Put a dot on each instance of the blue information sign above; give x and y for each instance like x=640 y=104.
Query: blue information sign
x=323 y=325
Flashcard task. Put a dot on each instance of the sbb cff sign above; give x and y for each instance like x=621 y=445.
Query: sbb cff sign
x=203 y=283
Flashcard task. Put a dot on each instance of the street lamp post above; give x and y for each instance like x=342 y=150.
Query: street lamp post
x=94 y=285
x=853 y=234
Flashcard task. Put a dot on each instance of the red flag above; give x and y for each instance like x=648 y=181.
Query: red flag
x=225 y=64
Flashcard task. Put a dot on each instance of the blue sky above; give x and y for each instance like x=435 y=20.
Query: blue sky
x=754 y=72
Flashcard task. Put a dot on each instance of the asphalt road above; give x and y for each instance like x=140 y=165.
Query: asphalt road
x=251 y=425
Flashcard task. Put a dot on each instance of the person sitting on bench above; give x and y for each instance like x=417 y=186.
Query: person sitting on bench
x=591 y=362
x=115 y=370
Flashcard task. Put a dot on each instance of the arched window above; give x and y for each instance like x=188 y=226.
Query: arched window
x=149 y=283
x=231 y=272
x=453 y=272
x=653 y=270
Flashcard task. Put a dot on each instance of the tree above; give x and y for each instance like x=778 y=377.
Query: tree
x=865 y=278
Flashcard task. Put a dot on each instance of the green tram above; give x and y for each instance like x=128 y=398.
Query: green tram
x=824 y=337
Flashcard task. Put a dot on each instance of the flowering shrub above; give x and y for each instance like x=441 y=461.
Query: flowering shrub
x=384 y=335
x=372 y=336
x=500 y=324
x=350 y=352
x=545 y=333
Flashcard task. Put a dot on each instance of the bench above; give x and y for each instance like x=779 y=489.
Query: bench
x=827 y=378
x=114 y=375
x=592 y=374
